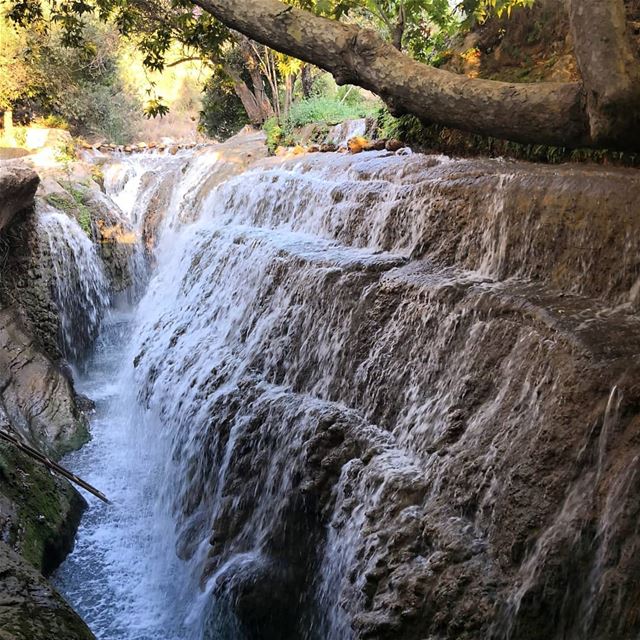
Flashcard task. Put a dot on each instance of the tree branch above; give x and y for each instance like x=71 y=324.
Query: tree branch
x=547 y=113
x=175 y=63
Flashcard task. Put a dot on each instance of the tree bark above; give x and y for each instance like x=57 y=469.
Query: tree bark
x=610 y=71
x=306 y=77
x=254 y=110
x=252 y=64
x=561 y=114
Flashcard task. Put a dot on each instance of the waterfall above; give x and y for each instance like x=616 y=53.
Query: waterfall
x=79 y=285
x=338 y=406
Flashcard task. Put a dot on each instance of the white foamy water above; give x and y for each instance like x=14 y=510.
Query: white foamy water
x=123 y=573
x=180 y=382
x=79 y=284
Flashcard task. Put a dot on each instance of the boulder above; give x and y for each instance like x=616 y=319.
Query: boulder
x=376 y=145
x=394 y=144
x=37 y=396
x=30 y=608
x=18 y=184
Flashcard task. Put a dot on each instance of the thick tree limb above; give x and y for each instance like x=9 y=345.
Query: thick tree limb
x=548 y=113
x=603 y=111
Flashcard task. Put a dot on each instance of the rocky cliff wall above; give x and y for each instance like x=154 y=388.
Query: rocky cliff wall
x=18 y=185
x=39 y=513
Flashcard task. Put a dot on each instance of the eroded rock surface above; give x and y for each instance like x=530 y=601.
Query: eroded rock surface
x=37 y=396
x=18 y=184
x=405 y=389
x=30 y=609
x=39 y=513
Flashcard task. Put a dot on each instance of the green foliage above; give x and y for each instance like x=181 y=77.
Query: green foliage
x=274 y=132
x=51 y=121
x=76 y=89
x=17 y=78
x=222 y=113
x=155 y=108
x=153 y=27
x=321 y=111
x=387 y=126
x=482 y=9
x=327 y=110
x=84 y=86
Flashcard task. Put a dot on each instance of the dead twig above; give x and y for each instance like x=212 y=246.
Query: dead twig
x=54 y=466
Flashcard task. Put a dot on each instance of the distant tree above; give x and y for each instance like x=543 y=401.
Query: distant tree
x=223 y=113
x=18 y=78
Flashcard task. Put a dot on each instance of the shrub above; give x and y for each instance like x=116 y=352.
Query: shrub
x=274 y=133
x=329 y=110
x=222 y=113
x=52 y=121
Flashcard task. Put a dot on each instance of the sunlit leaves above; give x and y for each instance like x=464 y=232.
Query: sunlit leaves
x=24 y=12
x=155 y=108
x=482 y=9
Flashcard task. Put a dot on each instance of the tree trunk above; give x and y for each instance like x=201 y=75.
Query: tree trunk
x=561 y=114
x=289 y=82
x=306 y=79
x=610 y=70
x=254 y=110
x=7 y=123
x=252 y=64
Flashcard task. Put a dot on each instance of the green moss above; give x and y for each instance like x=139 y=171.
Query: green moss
x=436 y=138
x=72 y=202
x=47 y=509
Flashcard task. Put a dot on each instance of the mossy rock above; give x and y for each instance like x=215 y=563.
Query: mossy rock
x=39 y=512
x=30 y=608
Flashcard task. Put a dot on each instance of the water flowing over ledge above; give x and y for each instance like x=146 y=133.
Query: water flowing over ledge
x=367 y=397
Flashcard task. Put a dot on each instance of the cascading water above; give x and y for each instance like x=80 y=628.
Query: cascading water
x=320 y=429
x=79 y=285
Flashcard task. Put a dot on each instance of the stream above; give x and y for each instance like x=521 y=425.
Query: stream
x=123 y=571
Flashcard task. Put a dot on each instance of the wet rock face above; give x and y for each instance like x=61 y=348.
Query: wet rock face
x=30 y=609
x=37 y=397
x=39 y=513
x=116 y=243
x=18 y=185
x=419 y=414
x=54 y=275
x=26 y=283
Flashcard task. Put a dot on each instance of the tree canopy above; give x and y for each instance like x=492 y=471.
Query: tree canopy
x=384 y=46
